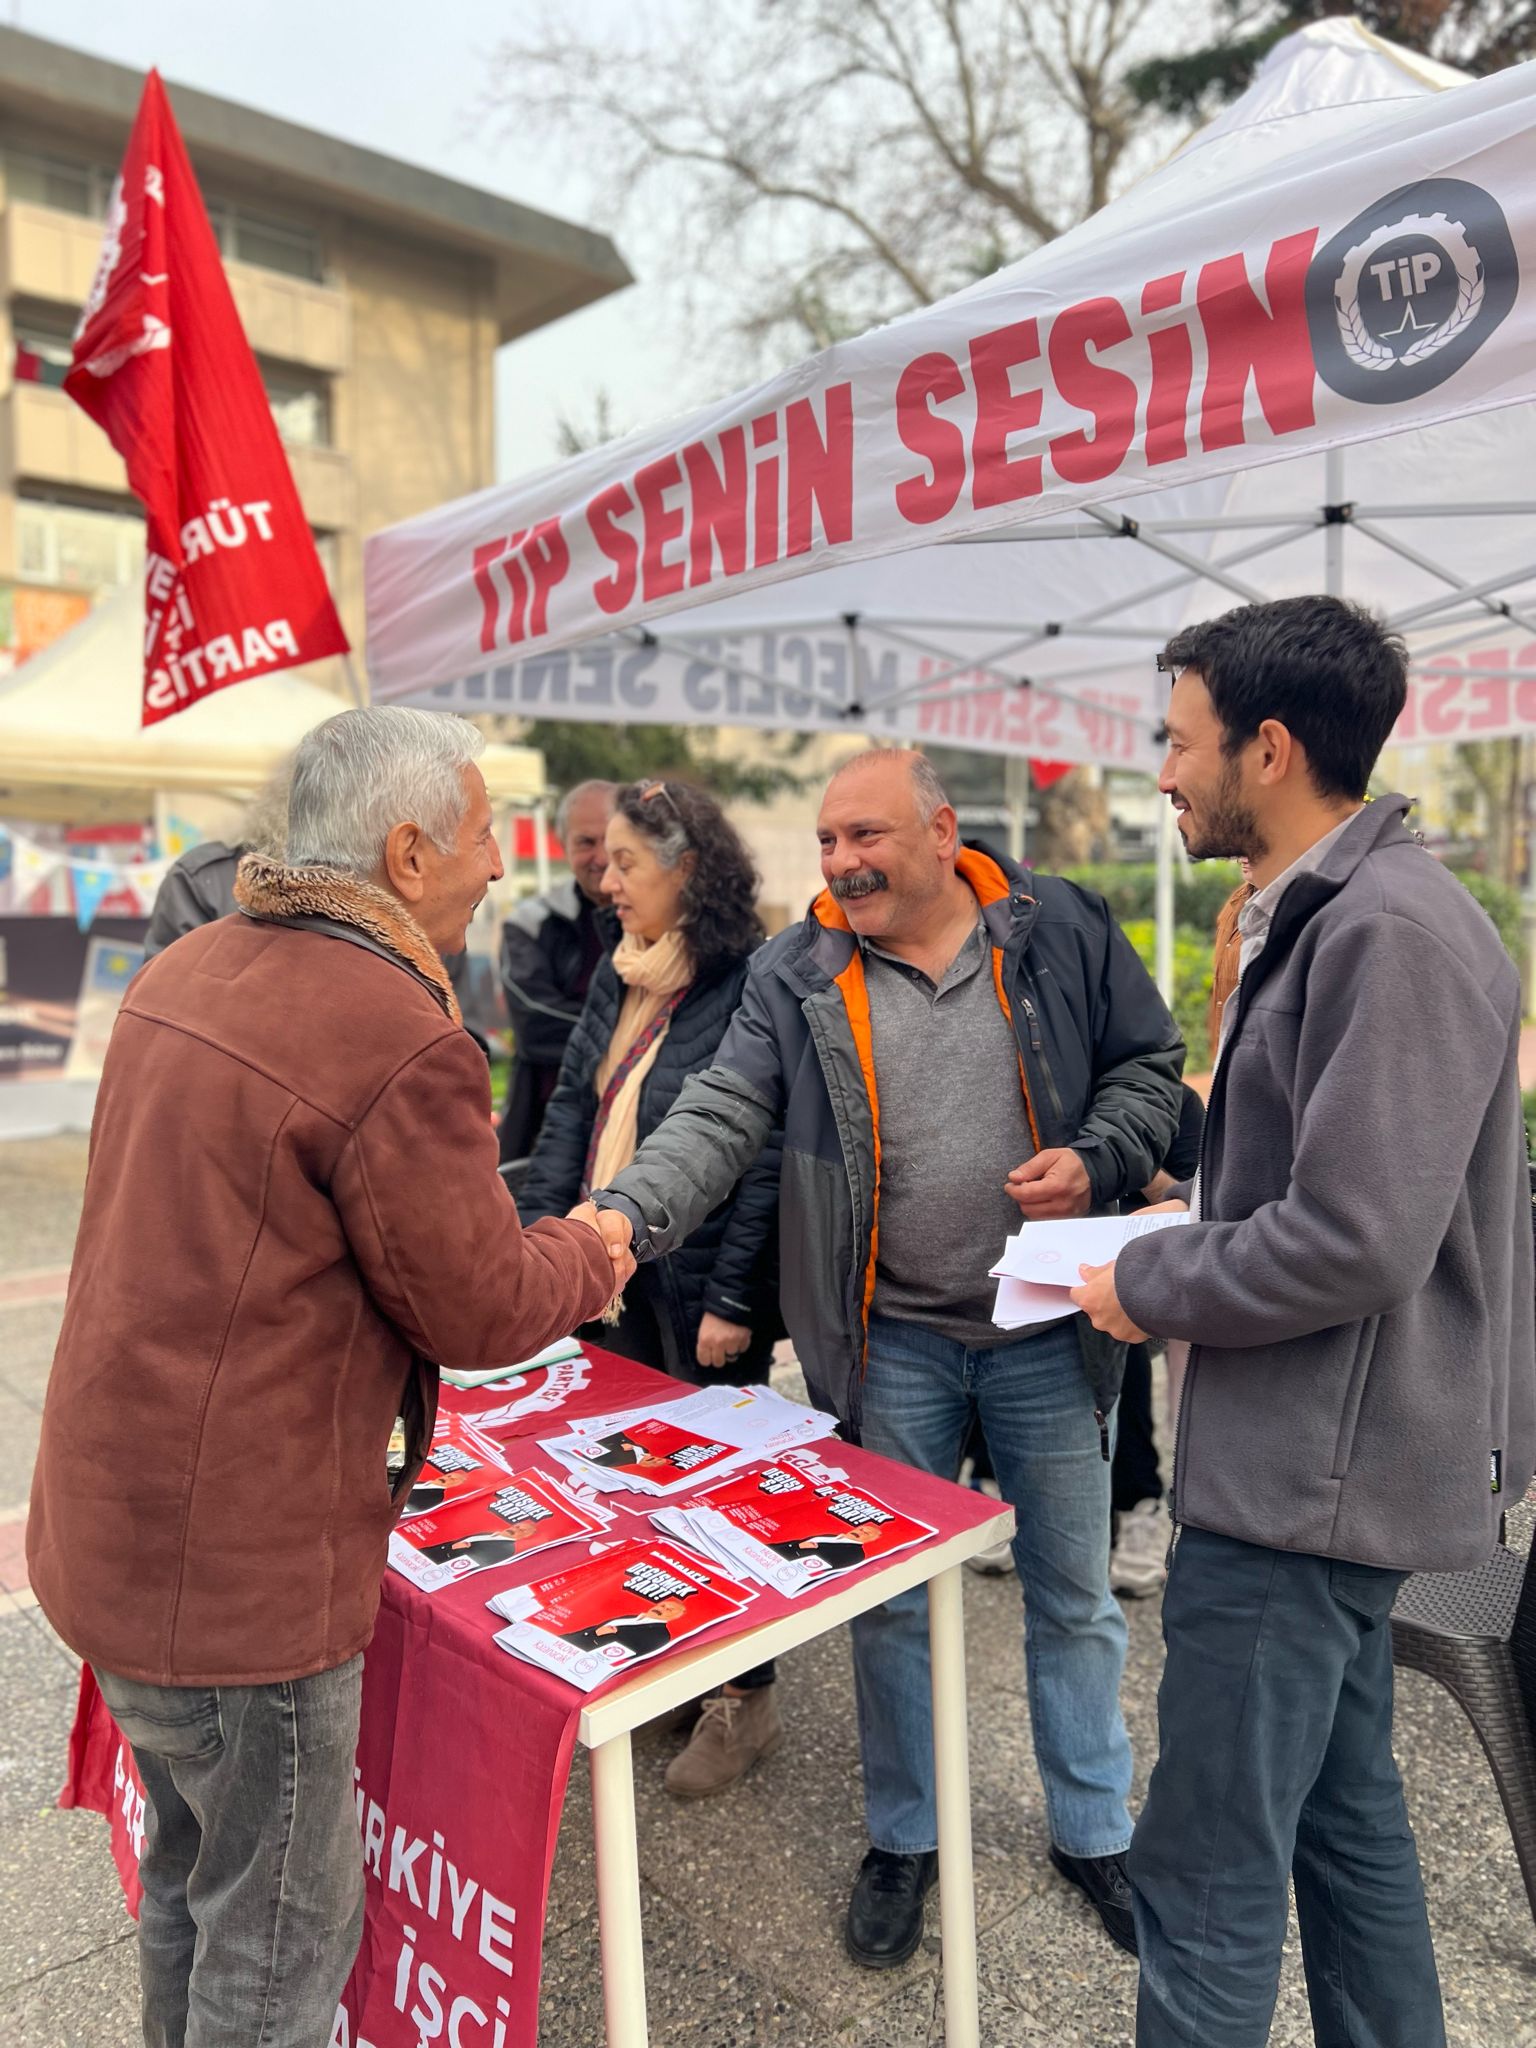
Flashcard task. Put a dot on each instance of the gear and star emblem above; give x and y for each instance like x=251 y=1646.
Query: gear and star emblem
x=1410 y=290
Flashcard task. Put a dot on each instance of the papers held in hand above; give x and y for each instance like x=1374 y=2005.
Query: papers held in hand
x=1040 y=1263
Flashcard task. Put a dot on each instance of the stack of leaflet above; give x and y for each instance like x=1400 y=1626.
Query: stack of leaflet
x=1040 y=1263
x=520 y=1513
x=790 y=1526
x=460 y=1465
x=492 y=1375
x=666 y=1447
x=630 y=1603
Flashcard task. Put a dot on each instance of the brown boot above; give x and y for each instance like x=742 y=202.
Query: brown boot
x=734 y=1730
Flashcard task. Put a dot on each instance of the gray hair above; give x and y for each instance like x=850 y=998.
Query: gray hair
x=926 y=787
x=593 y=787
x=358 y=775
x=264 y=828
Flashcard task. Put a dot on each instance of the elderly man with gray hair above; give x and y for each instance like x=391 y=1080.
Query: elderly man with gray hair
x=292 y=1218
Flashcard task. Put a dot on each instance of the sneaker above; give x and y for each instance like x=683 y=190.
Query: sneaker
x=1138 y=1562
x=996 y=1562
x=1103 y=1882
x=885 y=1914
x=733 y=1731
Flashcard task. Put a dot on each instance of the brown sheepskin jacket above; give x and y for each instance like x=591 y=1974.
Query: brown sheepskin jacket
x=292 y=1218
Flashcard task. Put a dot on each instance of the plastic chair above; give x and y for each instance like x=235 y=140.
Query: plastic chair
x=1475 y=1632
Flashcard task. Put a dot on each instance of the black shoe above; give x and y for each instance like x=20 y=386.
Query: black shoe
x=885 y=1914
x=1103 y=1882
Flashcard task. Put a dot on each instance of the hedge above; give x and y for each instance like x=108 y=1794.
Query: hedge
x=1131 y=892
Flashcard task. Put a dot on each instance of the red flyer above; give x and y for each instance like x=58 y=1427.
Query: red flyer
x=459 y=1465
x=529 y=1511
x=656 y=1455
x=792 y=1534
x=618 y=1609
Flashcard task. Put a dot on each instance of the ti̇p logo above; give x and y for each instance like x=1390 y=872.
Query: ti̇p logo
x=1410 y=290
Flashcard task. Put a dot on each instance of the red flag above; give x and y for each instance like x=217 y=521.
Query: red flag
x=1047 y=772
x=233 y=586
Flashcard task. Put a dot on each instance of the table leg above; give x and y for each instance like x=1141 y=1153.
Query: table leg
x=952 y=1785
x=618 y=1894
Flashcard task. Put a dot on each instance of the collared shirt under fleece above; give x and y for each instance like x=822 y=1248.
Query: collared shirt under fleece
x=953 y=1125
x=1096 y=1055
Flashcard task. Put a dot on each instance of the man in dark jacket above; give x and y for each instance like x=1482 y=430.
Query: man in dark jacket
x=550 y=946
x=1356 y=1284
x=199 y=885
x=949 y=1043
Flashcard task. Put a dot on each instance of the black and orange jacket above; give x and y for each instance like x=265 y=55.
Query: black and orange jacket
x=1099 y=1062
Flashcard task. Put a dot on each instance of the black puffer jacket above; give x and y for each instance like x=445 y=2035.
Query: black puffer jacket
x=729 y=1263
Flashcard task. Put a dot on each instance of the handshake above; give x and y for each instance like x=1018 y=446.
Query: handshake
x=617 y=1233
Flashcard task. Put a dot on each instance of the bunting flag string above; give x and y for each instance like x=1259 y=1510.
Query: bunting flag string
x=91 y=881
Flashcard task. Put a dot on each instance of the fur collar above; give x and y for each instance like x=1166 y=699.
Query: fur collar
x=266 y=888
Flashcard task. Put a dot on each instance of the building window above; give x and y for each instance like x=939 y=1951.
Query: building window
x=76 y=546
x=245 y=237
x=59 y=182
x=69 y=186
x=301 y=404
x=44 y=342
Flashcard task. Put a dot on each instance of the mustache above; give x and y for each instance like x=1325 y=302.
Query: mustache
x=868 y=882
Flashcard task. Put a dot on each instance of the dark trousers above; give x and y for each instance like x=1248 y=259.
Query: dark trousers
x=1133 y=1475
x=252 y=1868
x=1275 y=1762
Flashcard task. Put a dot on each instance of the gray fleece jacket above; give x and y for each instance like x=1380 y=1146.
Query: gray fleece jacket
x=1359 y=1291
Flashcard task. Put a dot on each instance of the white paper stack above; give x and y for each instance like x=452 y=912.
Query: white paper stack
x=667 y=1448
x=1040 y=1263
x=492 y=1375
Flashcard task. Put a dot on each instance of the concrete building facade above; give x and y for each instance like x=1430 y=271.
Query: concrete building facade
x=374 y=295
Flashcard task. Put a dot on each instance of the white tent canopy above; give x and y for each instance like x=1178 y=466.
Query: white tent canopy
x=1343 y=409
x=70 y=719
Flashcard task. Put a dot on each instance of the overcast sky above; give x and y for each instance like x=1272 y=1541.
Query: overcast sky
x=369 y=73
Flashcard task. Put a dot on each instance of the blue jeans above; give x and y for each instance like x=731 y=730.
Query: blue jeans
x=1036 y=1412
x=252 y=1867
x=1275 y=1764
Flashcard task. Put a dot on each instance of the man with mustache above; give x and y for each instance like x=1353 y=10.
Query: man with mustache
x=951 y=1044
x=1356 y=1285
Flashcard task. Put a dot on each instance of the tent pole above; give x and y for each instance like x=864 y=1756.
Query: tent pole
x=1016 y=789
x=1166 y=827
x=1333 y=531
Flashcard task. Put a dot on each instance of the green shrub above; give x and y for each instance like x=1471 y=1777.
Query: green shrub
x=1131 y=890
x=1191 y=981
x=1503 y=905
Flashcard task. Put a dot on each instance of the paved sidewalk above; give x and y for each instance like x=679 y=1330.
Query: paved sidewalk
x=744 y=1897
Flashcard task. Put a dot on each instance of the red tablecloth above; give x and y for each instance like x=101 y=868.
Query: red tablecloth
x=463 y=1759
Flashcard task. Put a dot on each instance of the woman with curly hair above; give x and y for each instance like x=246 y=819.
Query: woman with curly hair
x=685 y=891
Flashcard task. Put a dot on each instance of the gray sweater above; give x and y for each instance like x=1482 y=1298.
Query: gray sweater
x=1359 y=1291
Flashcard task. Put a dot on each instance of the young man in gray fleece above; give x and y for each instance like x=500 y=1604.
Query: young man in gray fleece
x=1356 y=1284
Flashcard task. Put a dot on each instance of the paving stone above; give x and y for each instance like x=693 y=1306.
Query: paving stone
x=28 y=1337
x=39 y=1694
x=41 y=1180
x=90 y=2003
x=59 y=1895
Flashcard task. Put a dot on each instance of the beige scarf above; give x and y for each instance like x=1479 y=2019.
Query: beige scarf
x=651 y=974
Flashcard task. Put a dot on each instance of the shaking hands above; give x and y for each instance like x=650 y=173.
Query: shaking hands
x=617 y=1234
